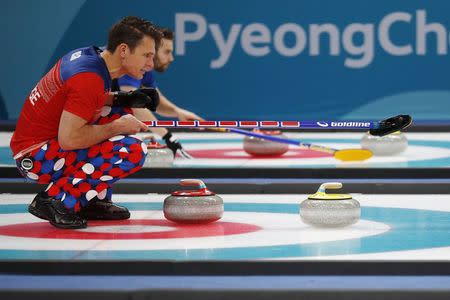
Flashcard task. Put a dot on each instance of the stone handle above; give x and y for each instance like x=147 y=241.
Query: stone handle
x=329 y=185
x=193 y=182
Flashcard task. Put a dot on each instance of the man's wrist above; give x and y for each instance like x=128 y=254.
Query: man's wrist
x=113 y=128
x=167 y=136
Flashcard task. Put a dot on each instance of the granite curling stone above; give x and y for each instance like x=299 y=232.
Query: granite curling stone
x=330 y=210
x=391 y=144
x=256 y=146
x=193 y=206
x=158 y=156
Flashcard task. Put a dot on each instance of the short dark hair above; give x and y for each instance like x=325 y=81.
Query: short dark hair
x=130 y=30
x=167 y=33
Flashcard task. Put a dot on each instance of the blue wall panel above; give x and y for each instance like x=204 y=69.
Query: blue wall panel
x=258 y=59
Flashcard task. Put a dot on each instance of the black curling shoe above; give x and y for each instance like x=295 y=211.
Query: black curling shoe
x=48 y=208
x=104 y=210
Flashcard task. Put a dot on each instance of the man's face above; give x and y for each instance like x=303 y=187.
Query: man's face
x=140 y=60
x=164 y=56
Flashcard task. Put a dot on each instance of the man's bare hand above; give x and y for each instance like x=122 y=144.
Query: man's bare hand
x=128 y=124
x=185 y=115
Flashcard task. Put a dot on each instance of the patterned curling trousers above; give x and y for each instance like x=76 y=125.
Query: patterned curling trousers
x=77 y=176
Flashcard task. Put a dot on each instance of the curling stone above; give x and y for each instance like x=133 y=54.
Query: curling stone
x=330 y=210
x=158 y=156
x=260 y=147
x=390 y=144
x=193 y=206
